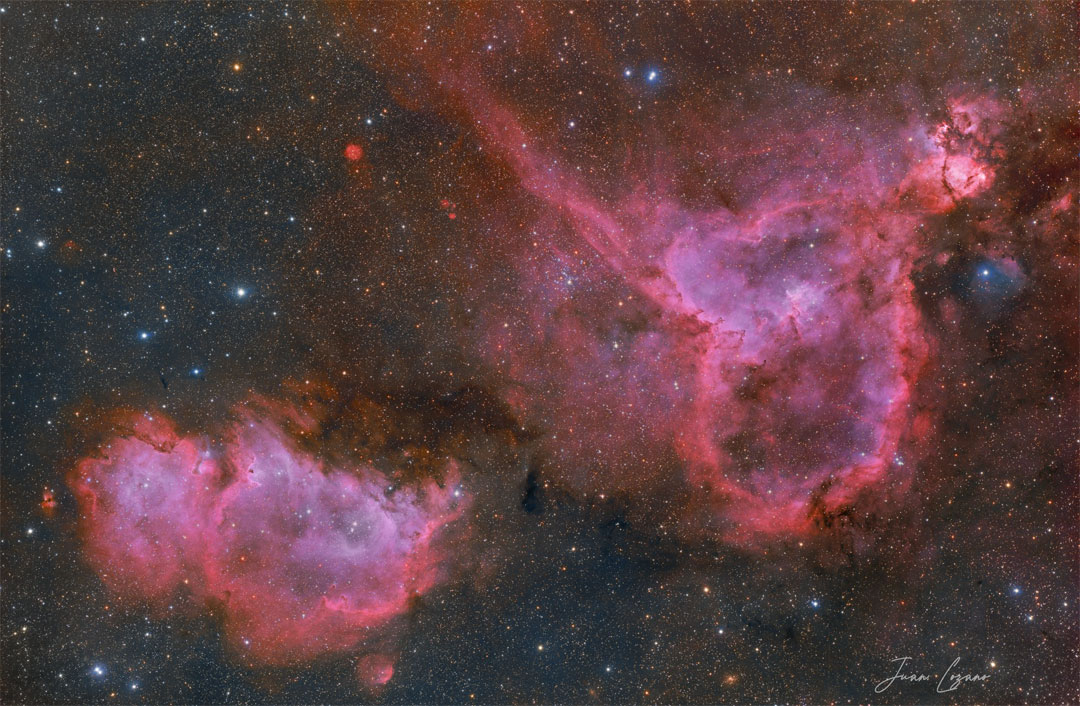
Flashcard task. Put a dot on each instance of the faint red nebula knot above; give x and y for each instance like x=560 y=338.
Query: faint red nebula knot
x=48 y=502
x=354 y=152
x=301 y=558
x=375 y=670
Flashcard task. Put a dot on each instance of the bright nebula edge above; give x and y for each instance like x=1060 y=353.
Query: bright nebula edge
x=540 y=352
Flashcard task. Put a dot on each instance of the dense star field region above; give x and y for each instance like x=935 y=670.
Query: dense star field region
x=539 y=352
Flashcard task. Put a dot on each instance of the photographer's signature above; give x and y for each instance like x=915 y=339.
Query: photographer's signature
x=950 y=680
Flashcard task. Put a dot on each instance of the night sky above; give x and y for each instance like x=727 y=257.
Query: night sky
x=539 y=353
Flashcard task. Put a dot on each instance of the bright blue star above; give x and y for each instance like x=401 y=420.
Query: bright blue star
x=993 y=283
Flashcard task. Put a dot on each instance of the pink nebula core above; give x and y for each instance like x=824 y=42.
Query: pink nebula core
x=297 y=558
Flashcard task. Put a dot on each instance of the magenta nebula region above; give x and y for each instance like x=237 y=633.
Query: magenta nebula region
x=304 y=559
x=539 y=352
x=788 y=339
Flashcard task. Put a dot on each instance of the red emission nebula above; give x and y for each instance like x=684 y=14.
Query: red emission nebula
x=303 y=559
x=757 y=357
x=770 y=337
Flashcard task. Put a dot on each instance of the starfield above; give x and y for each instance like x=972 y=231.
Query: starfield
x=539 y=352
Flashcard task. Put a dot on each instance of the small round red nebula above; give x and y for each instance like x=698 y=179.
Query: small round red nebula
x=375 y=670
x=353 y=152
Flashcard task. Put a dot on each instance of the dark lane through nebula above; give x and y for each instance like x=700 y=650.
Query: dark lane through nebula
x=492 y=352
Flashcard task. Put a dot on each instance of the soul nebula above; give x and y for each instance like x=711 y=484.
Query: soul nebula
x=303 y=558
